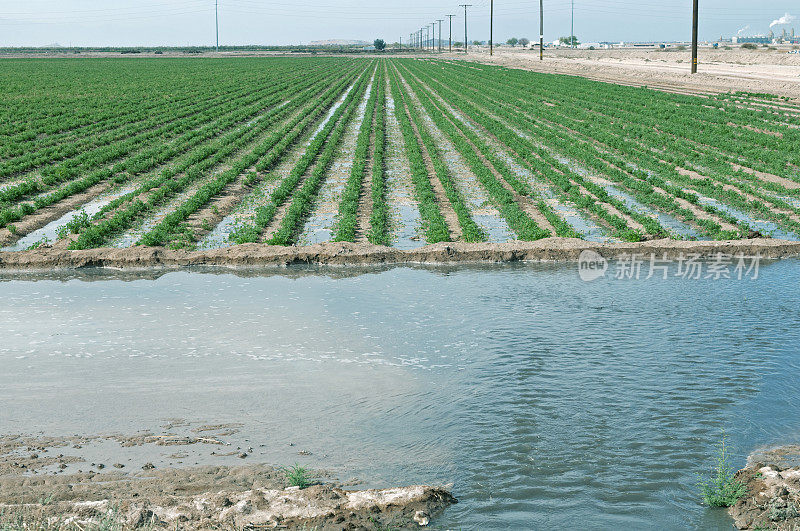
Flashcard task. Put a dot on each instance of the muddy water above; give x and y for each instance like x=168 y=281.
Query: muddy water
x=547 y=401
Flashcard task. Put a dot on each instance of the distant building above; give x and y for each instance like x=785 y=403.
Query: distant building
x=760 y=39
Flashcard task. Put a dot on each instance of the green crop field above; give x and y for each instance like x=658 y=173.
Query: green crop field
x=205 y=153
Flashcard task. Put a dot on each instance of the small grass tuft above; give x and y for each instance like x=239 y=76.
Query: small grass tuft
x=721 y=489
x=298 y=476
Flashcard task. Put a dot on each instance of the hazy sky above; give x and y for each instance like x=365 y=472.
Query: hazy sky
x=182 y=22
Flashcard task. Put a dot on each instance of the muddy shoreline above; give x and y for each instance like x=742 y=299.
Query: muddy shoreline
x=51 y=480
x=341 y=253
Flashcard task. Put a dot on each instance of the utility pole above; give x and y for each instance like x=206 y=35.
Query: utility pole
x=216 y=19
x=433 y=36
x=465 y=6
x=451 y=32
x=694 y=36
x=491 y=27
x=440 y=34
x=572 y=26
x=541 y=30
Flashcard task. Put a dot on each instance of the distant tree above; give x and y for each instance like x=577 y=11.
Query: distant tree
x=513 y=41
x=379 y=44
x=477 y=43
x=569 y=41
x=458 y=44
x=524 y=41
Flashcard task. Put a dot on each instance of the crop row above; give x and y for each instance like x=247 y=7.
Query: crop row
x=251 y=231
x=223 y=117
x=261 y=159
x=650 y=160
x=192 y=168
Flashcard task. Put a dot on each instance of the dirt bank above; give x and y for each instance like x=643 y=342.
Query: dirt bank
x=549 y=249
x=235 y=498
x=36 y=485
x=763 y=70
x=772 y=478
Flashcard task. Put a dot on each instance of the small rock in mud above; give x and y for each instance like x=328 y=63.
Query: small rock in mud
x=148 y=466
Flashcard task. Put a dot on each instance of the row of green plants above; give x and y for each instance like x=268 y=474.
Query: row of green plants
x=102 y=148
x=758 y=139
x=228 y=116
x=686 y=115
x=44 y=98
x=434 y=225
x=303 y=199
x=57 y=144
x=469 y=144
x=605 y=162
x=347 y=221
x=261 y=159
x=379 y=218
x=570 y=185
x=250 y=232
x=664 y=162
x=193 y=167
x=143 y=144
x=569 y=141
x=470 y=230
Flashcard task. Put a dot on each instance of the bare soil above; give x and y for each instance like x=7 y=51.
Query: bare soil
x=771 y=71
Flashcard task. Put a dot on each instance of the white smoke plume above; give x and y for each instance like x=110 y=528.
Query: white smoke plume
x=785 y=19
x=743 y=30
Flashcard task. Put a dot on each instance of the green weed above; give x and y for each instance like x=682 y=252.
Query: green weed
x=721 y=488
x=298 y=476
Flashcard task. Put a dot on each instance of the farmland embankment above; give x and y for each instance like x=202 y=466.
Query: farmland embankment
x=347 y=253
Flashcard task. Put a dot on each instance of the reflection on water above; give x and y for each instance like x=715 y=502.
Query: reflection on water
x=546 y=400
